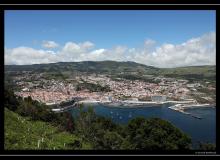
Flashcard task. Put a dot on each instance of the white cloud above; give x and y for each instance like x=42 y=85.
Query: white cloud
x=26 y=55
x=196 y=51
x=97 y=55
x=149 y=43
x=49 y=44
x=117 y=53
x=75 y=52
x=71 y=47
x=87 y=45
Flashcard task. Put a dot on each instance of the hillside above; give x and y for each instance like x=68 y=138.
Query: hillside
x=85 y=66
x=66 y=69
x=23 y=134
x=191 y=72
x=31 y=126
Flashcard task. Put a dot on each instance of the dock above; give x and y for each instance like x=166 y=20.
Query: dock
x=181 y=108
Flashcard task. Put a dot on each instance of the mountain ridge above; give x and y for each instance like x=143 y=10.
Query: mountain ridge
x=106 y=61
x=127 y=68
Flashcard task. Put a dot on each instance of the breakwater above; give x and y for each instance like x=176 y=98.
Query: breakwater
x=181 y=108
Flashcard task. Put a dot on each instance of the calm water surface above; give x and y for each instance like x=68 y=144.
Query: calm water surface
x=199 y=129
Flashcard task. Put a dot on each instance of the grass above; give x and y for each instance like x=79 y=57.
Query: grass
x=23 y=134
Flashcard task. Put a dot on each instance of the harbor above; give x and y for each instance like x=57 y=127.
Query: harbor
x=199 y=129
x=181 y=108
x=126 y=103
x=191 y=121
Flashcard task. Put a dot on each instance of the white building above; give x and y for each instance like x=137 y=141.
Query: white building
x=158 y=98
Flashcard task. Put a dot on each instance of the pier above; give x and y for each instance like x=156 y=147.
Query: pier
x=181 y=108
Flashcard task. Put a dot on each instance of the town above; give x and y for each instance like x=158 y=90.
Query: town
x=160 y=89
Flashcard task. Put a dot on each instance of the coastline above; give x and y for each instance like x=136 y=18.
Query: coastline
x=135 y=104
x=179 y=106
x=182 y=108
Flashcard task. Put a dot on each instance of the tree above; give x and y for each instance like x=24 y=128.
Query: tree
x=112 y=141
x=10 y=100
x=84 y=122
x=156 y=134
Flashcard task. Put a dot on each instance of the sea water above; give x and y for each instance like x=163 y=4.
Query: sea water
x=200 y=130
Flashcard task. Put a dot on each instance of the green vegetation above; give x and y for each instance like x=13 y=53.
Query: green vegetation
x=92 y=87
x=11 y=101
x=25 y=134
x=37 y=111
x=86 y=131
x=124 y=97
x=155 y=134
x=100 y=131
x=55 y=75
x=134 y=77
x=28 y=121
x=191 y=73
x=63 y=70
x=138 y=134
x=9 y=82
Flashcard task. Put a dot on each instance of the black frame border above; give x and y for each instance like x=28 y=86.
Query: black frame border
x=106 y=7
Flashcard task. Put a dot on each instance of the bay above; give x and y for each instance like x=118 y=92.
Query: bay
x=203 y=130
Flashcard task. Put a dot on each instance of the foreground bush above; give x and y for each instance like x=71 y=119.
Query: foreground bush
x=139 y=133
x=25 y=134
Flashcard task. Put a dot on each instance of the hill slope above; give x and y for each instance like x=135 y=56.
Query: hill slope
x=65 y=69
x=85 y=66
x=21 y=133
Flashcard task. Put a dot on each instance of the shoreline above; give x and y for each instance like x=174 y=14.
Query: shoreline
x=138 y=104
x=134 y=104
x=182 y=108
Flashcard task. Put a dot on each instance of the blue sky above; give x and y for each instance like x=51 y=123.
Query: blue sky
x=105 y=29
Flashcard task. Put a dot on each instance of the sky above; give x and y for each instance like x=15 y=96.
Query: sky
x=159 y=38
